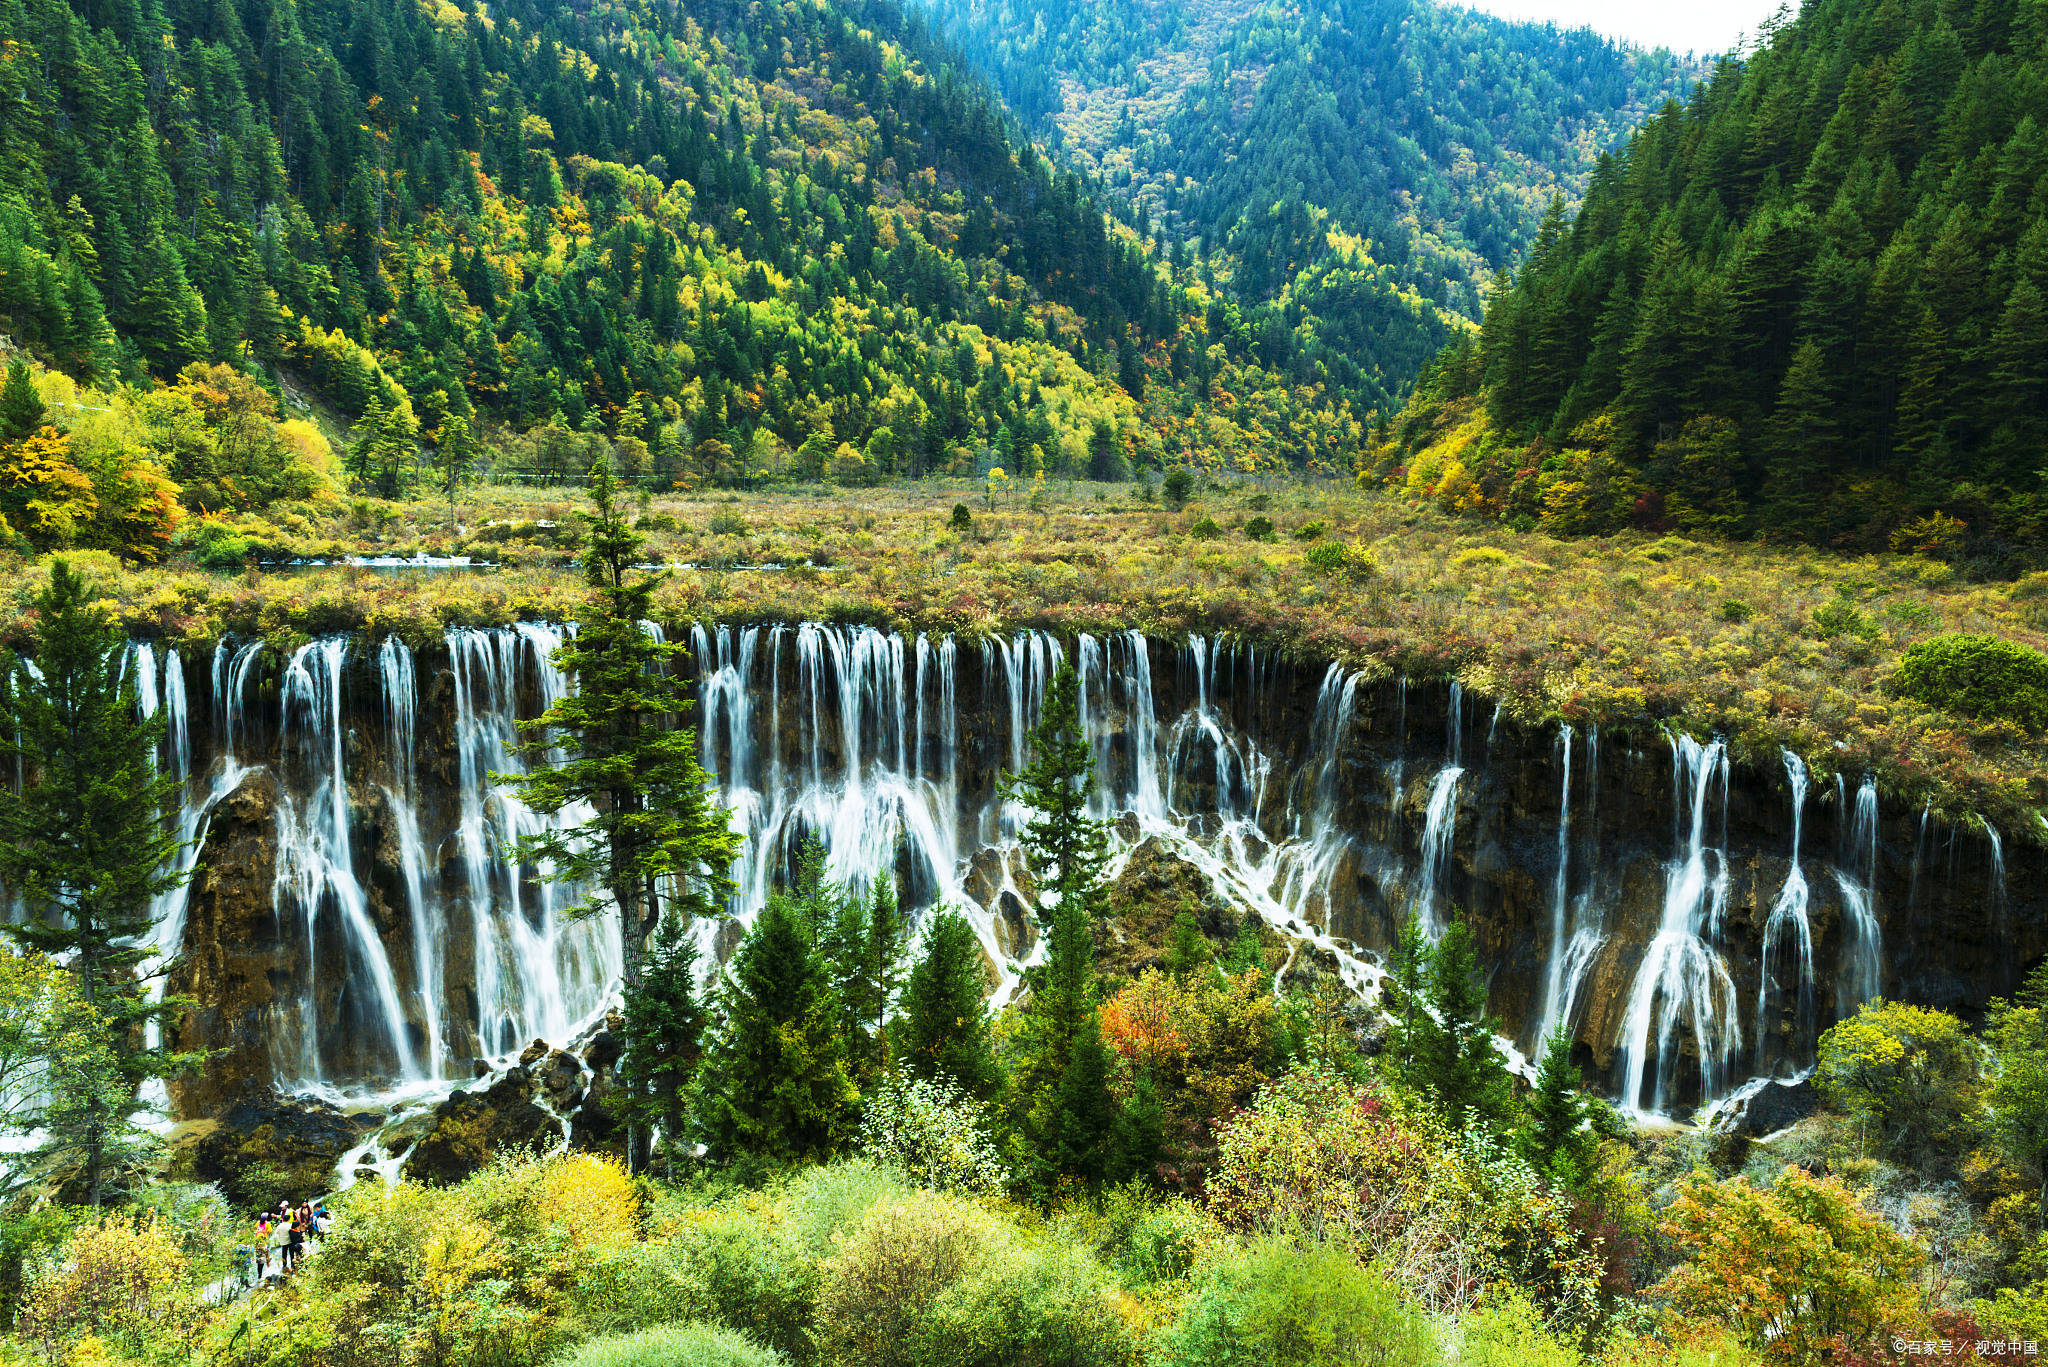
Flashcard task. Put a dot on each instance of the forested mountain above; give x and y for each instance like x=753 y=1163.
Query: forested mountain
x=727 y=237
x=1808 y=304
x=1356 y=169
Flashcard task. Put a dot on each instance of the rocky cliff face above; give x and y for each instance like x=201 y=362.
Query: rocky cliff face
x=357 y=925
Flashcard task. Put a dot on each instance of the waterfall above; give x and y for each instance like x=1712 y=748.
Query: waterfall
x=1439 y=829
x=1560 y=892
x=1788 y=915
x=401 y=703
x=1682 y=977
x=316 y=874
x=538 y=972
x=1861 y=978
x=881 y=745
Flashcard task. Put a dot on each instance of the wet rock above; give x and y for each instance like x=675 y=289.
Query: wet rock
x=603 y=1051
x=472 y=1128
x=266 y=1148
x=1776 y=1106
x=1155 y=887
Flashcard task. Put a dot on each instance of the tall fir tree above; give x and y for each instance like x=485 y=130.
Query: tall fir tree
x=663 y=1033
x=1064 y=847
x=1556 y=1136
x=944 y=1030
x=21 y=407
x=1443 y=1047
x=85 y=844
x=777 y=1089
x=1062 y=1101
x=864 y=941
x=659 y=833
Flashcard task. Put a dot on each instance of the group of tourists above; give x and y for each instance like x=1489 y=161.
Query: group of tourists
x=285 y=1235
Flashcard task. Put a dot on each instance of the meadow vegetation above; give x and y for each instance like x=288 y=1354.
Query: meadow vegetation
x=1774 y=647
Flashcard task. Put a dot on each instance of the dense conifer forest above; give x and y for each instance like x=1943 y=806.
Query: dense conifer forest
x=1357 y=170
x=1807 y=304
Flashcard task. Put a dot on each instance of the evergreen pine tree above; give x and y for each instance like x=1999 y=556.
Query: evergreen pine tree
x=863 y=939
x=1062 y=1100
x=456 y=457
x=777 y=1087
x=944 y=1030
x=83 y=843
x=1444 y=1045
x=1140 y=1132
x=1065 y=848
x=1079 y=1138
x=663 y=1030
x=1555 y=1136
x=21 y=408
x=1801 y=445
x=659 y=830
x=1188 y=953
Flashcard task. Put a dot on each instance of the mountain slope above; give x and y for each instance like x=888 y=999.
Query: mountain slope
x=1359 y=168
x=730 y=238
x=1808 y=305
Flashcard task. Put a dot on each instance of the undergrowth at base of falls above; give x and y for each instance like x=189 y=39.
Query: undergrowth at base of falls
x=1772 y=648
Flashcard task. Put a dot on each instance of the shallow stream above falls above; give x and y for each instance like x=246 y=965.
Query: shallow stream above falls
x=357 y=930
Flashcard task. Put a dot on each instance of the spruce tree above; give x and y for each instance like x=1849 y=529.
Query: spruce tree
x=1140 y=1133
x=778 y=1091
x=864 y=942
x=1062 y=1101
x=21 y=408
x=84 y=843
x=663 y=1030
x=1555 y=1136
x=1065 y=848
x=1078 y=1138
x=455 y=459
x=1444 y=1045
x=944 y=1030
x=659 y=833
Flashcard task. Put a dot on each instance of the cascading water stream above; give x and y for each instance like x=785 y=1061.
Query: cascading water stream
x=1788 y=916
x=1439 y=831
x=1682 y=978
x=1560 y=896
x=315 y=864
x=401 y=702
x=1862 y=972
x=855 y=735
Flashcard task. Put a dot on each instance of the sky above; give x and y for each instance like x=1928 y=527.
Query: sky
x=1701 y=26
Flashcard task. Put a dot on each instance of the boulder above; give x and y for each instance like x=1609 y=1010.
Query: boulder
x=472 y=1128
x=267 y=1148
x=1155 y=887
x=1776 y=1106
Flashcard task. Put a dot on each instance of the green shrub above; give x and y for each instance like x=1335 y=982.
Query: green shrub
x=1977 y=676
x=1340 y=560
x=656 y=522
x=674 y=1345
x=1259 y=529
x=931 y=1280
x=727 y=524
x=1205 y=529
x=1510 y=1333
x=1289 y=1306
x=1258 y=503
x=1178 y=485
x=1841 y=617
x=1734 y=610
x=963 y=520
x=1309 y=531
